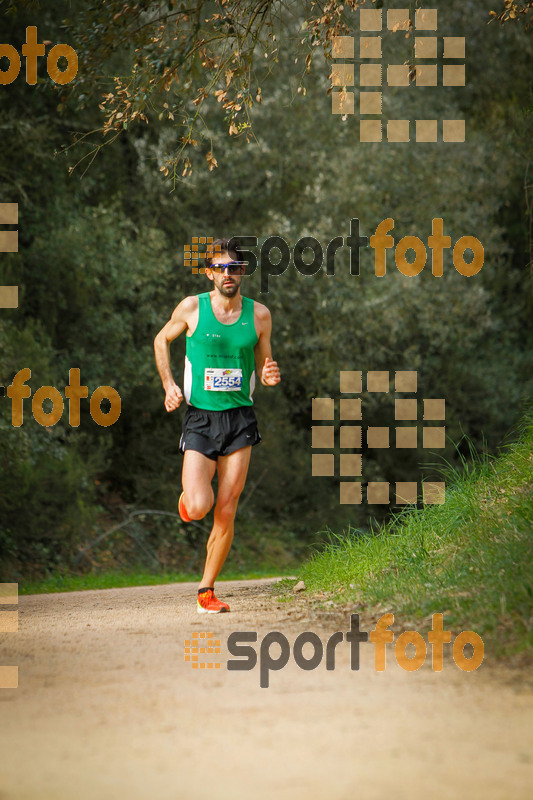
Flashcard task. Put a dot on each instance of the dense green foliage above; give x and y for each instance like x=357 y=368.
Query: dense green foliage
x=100 y=269
x=470 y=558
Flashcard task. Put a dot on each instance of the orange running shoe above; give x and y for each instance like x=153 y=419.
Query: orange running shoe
x=208 y=603
x=182 y=510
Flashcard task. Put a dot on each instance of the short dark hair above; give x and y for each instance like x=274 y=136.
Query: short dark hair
x=230 y=246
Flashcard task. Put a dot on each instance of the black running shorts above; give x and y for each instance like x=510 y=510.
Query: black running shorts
x=219 y=433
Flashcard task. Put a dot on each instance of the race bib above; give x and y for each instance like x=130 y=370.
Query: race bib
x=222 y=380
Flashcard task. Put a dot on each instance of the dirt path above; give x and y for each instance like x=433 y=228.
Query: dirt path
x=107 y=708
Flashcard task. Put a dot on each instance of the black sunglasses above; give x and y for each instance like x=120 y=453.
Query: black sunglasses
x=232 y=267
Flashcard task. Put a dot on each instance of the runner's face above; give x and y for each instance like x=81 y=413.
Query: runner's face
x=226 y=283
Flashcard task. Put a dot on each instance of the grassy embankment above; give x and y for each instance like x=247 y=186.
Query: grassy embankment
x=470 y=558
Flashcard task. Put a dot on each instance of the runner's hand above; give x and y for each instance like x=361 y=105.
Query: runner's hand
x=173 y=397
x=271 y=374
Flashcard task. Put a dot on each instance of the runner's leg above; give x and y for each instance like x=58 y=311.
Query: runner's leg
x=196 y=477
x=232 y=471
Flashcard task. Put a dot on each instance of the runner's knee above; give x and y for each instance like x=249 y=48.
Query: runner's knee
x=226 y=508
x=199 y=504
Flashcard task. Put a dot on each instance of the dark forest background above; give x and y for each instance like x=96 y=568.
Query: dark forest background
x=100 y=269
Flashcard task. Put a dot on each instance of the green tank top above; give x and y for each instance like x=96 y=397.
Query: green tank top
x=219 y=359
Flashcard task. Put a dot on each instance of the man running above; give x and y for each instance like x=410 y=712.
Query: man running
x=228 y=340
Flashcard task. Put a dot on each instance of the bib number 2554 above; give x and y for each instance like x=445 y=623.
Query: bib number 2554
x=222 y=380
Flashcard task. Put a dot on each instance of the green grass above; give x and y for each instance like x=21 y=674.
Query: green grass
x=113 y=579
x=470 y=558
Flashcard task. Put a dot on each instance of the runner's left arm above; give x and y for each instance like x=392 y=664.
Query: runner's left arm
x=266 y=367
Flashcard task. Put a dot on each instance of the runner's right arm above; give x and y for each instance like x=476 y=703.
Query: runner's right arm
x=178 y=323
